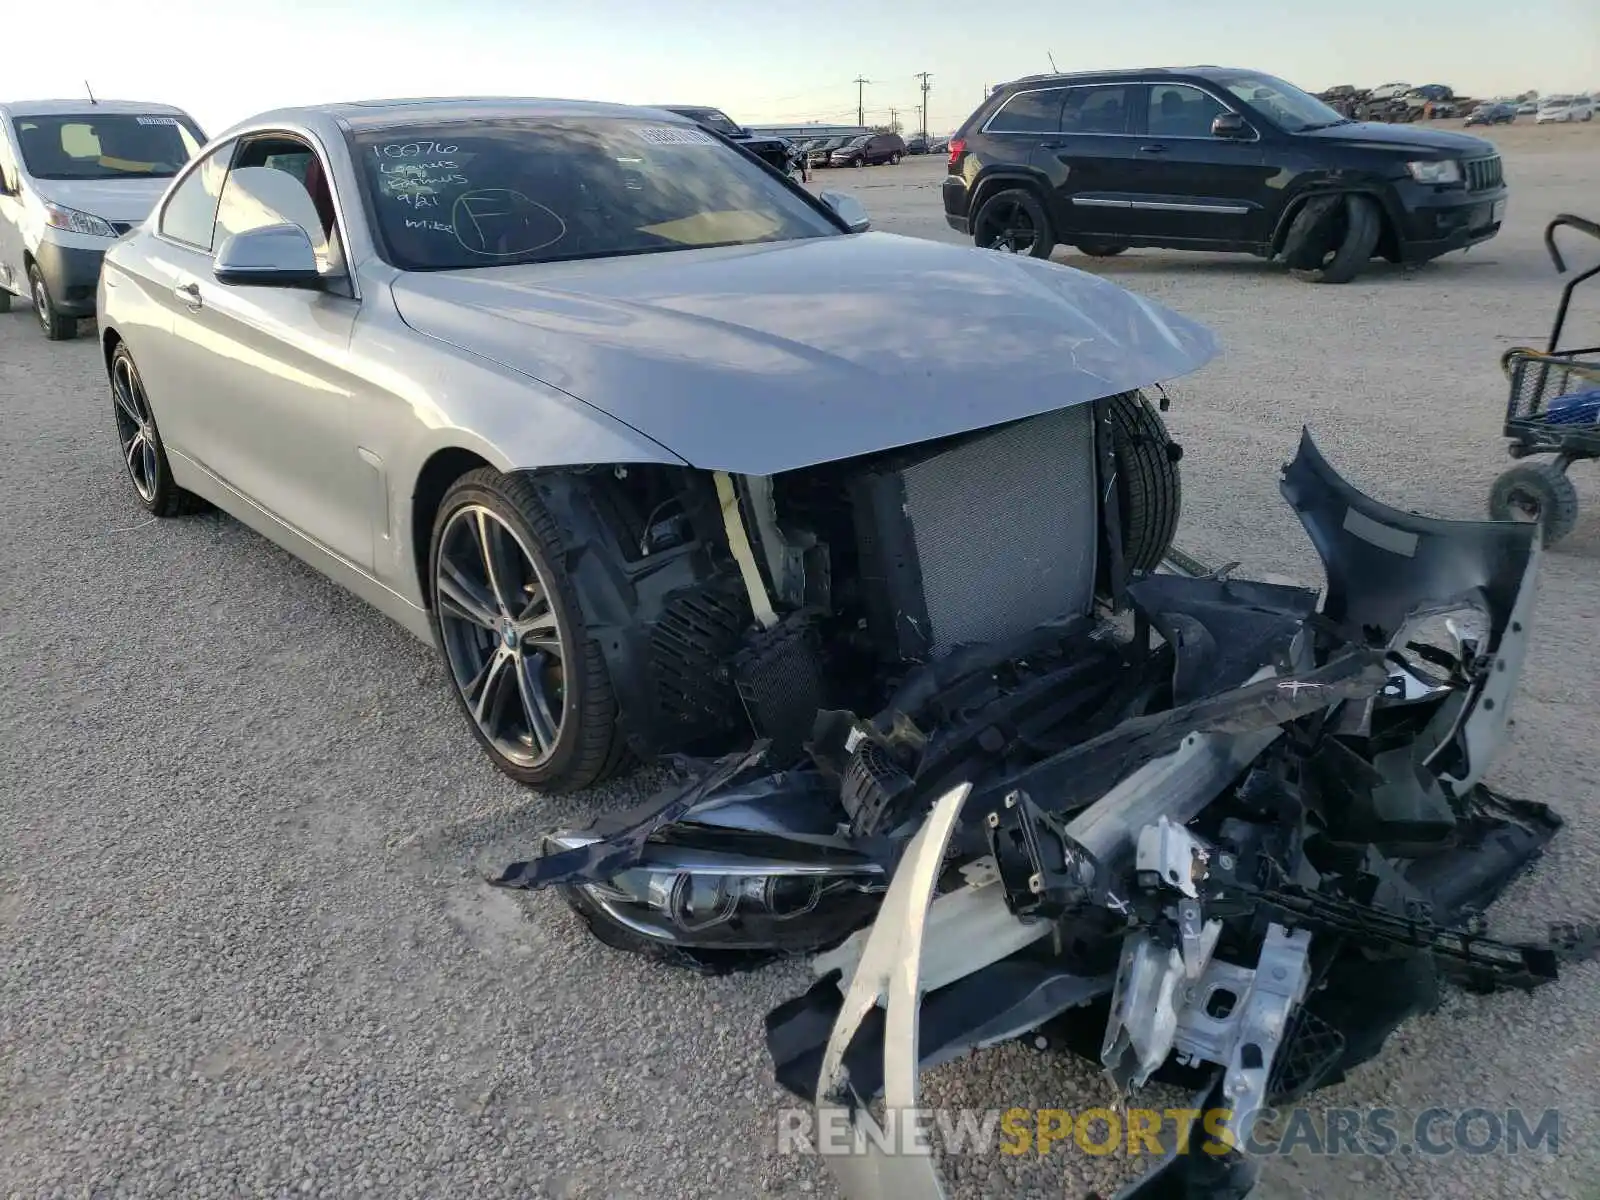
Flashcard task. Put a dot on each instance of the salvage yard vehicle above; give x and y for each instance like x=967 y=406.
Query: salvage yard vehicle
x=1553 y=409
x=1204 y=831
x=776 y=152
x=556 y=385
x=75 y=175
x=1497 y=113
x=1563 y=110
x=869 y=150
x=1208 y=158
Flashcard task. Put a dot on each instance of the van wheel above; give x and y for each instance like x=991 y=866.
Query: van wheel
x=1332 y=238
x=57 y=326
x=1149 y=490
x=1014 y=222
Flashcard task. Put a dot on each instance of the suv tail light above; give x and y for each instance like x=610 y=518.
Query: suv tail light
x=958 y=147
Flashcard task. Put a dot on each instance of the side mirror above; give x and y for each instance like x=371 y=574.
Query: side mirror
x=1230 y=125
x=272 y=256
x=849 y=210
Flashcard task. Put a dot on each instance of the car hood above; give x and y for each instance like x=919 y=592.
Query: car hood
x=128 y=201
x=1403 y=137
x=766 y=358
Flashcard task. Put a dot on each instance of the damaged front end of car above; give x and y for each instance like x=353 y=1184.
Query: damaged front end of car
x=1215 y=833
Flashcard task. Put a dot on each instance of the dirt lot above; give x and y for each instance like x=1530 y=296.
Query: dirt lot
x=244 y=947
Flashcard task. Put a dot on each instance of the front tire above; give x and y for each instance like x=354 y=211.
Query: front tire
x=57 y=326
x=143 y=454
x=1332 y=238
x=531 y=682
x=1014 y=222
x=1149 y=488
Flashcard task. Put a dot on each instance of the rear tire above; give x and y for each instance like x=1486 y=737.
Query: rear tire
x=1095 y=248
x=144 y=456
x=1332 y=238
x=1149 y=489
x=1539 y=492
x=57 y=326
x=546 y=715
x=1014 y=221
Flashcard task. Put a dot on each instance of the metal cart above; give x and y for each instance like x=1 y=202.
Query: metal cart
x=1554 y=408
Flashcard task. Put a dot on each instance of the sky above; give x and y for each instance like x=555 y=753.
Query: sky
x=225 y=60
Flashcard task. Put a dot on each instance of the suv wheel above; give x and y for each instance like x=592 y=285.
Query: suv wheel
x=1095 y=248
x=1332 y=238
x=1014 y=222
x=894 y=159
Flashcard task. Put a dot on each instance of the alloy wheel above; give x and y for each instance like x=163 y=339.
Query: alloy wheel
x=1010 y=229
x=503 y=637
x=136 y=429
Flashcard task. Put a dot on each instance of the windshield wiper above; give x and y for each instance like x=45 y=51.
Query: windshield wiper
x=1327 y=124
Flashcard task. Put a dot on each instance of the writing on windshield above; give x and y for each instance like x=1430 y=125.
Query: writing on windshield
x=109 y=146
x=531 y=190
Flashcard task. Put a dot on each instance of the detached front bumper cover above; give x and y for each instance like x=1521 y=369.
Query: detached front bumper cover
x=1089 y=839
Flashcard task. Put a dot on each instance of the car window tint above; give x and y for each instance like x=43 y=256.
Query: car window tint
x=1178 y=110
x=1030 y=112
x=490 y=193
x=190 y=214
x=1095 y=110
x=107 y=146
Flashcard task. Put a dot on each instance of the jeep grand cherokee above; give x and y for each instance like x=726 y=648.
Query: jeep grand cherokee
x=1208 y=158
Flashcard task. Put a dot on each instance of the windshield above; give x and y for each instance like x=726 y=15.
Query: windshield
x=1557 y=101
x=112 y=146
x=492 y=193
x=1285 y=105
x=854 y=142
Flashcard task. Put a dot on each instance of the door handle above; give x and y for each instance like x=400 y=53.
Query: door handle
x=189 y=293
x=1153 y=148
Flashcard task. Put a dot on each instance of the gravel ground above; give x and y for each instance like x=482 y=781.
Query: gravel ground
x=244 y=945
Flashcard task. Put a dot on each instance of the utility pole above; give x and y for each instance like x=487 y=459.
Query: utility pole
x=894 y=120
x=923 y=75
x=861 y=112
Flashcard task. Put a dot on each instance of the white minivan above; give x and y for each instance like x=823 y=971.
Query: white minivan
x=1563 y=109
x=75 y=175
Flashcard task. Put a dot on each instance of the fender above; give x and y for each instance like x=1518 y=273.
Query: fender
x=989 y=180
x=1387 y=203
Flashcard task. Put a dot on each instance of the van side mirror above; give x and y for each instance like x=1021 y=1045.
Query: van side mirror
x=1230 y=125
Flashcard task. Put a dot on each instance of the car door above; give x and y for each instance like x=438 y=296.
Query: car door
x=1086 y=155
x=1185 y=183
x=267 y=369
x=11 y=272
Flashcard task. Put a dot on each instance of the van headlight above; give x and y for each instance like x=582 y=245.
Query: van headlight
x=60 y=217
x=1445 y=171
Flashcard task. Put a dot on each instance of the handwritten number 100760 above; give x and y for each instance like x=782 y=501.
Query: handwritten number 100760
x=413 y=149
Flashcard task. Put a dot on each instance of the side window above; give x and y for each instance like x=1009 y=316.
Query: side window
x=190 y=215
x=1095 y=110
x=1029 y=112
x=1178 y=110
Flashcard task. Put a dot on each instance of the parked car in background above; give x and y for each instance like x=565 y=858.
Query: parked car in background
x=1564 y=109
x=1493 y=114
x=775 y=151
x=1211 y=158
x=869 y=150
x=1528 y=108
x=1389 y=91
x=916 y=144
x=819 y=155
x=75 y=175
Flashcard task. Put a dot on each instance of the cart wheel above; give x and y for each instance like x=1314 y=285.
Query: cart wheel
x=1536 y=492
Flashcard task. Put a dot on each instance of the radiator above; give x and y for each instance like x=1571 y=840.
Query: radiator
x=985 y=540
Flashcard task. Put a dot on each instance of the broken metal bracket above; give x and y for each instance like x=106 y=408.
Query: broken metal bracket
x=743 y=554
x=1045 y=873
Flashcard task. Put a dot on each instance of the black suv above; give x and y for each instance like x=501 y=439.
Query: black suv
x=778 y=152
x=869 y=149
x=1207 y=158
